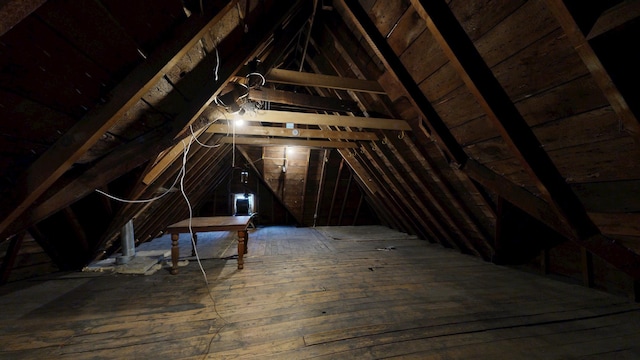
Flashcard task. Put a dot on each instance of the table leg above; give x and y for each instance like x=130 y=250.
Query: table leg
x=175 y=253
x=242 y=236
x=194 y=244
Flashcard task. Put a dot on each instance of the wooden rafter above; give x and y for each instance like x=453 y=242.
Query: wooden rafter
x=272 y=116
x=86 y=132
x=595 y=66
x=517 y=134
x=292 y=133
x=397 y=69
x=289 y=77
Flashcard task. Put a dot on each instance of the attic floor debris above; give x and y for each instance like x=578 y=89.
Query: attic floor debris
x=307 y=294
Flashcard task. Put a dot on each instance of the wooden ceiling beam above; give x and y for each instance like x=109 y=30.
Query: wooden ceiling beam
x=86 y=132
x=243 y=53
x=290 y=77
x=521 y=140
x=273 y=116
x=292 y=133
x=302 y=100
x=288 y=142
x=600 y=74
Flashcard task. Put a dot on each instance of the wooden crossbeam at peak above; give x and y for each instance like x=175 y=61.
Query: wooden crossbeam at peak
x=326 y=81
x=272 y=116
x=260 y=141
x=291 y=133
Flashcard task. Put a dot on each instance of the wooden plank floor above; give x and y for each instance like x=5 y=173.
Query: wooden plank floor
x=324 y=293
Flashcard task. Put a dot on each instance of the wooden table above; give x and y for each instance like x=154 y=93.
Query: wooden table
x=204 y=224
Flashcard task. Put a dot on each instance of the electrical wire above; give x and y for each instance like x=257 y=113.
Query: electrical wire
x=198 y=141
x=144 y=200
x=217 y=63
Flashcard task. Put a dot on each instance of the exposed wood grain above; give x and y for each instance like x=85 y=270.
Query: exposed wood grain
x=287 y=142
x=597 y=70
x=325 y=293
x=311 y=79
x=299 y=133
x=51 y=165
x=273 y=116
x=614 y=17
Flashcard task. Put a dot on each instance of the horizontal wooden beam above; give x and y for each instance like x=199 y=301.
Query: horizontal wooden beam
x=272 y=116
x=302 y=100
x=292 y=133
x=288 y=142
x=290 y=77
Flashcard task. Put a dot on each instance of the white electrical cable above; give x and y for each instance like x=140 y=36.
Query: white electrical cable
x=198 y=141
x=186 y=199
x=217 y=64
x=141 y=201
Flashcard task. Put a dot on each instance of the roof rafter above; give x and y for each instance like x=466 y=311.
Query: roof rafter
x=86 y=132
x=518 y=135
x=593 y=63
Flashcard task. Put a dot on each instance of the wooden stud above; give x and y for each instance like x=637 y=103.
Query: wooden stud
x=587 y=267
x=10 y=257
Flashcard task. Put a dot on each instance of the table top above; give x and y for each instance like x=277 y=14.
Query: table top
x=212 y=223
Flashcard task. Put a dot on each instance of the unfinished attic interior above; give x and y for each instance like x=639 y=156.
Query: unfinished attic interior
x=420 y=179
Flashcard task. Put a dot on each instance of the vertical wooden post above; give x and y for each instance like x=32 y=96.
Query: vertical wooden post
x=335 y=191
x=242 y=237
x=355 y=217
x=10 y=257
x=634 y=294
x=544 y=261
x=499 y=237
x=587 y=267
x=344 y=200
x=175 y=253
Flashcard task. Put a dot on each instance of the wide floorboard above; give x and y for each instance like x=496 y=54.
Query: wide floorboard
x=323 y=293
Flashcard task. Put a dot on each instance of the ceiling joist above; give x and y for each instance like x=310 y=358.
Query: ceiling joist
x=272 y=116
x=292 y=133
x=288 y=142
x=290 y=77
x=302 y=100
